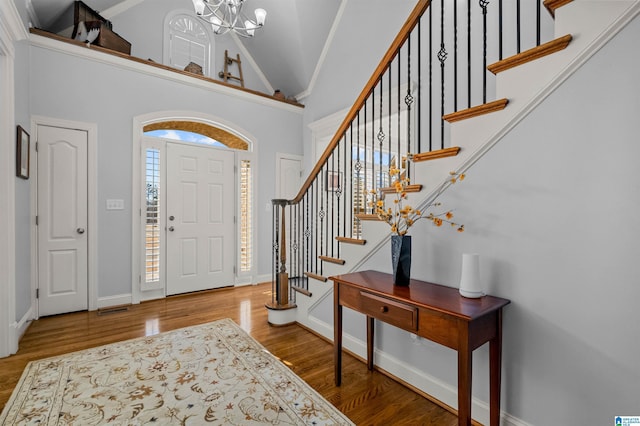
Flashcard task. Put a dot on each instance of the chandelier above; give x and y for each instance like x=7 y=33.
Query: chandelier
x=226 y=15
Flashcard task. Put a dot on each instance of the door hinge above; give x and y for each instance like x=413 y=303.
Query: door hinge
x=234 y=219
x=36 y=220
x=36 y=146
x=139 y=279
x=37 y=293
x=234 y=270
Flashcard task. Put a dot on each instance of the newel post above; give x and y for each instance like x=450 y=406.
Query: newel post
x=281 y=309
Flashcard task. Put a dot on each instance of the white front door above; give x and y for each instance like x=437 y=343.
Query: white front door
x=62 y=220
x=200 y=222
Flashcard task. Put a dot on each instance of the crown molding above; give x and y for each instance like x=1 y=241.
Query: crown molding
x=10 y=22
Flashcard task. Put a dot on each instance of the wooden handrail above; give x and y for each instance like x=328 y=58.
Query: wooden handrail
x=392 y=52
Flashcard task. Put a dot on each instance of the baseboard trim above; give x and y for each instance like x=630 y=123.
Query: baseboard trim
x=20 y=327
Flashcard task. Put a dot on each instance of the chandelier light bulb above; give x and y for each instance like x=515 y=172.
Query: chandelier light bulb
x=198 y=5
x=215 y=24
x=261 y=15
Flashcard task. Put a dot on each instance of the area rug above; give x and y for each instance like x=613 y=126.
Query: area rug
x=207 y=374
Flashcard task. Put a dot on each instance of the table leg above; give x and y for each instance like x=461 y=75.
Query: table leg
x=464 y=382
x=370 y=324
x=495 y=372
x=337 y=334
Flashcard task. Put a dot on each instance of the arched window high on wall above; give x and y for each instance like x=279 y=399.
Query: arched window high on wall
x=201 y=145
x=186 y=40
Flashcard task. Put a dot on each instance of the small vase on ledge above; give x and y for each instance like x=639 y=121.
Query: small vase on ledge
x=401 y=259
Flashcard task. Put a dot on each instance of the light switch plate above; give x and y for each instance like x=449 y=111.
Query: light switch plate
x=115 y=204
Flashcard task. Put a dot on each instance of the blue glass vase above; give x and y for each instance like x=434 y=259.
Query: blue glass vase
x=401 y=259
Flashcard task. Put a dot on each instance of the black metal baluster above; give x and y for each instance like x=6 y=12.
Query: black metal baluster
x=389 y=113
x=333 y=197
x=500 y=16
x=430 y=79
x=483 y=5
x=344 y=187
x=315 y=236
x=538 y=23
x=321 y=216
x=468 y=53
x=419 y=123
x=307 y=232
x=338 y=194
x=408 y=100
x=442 y=57
x=364 y=144
x=455 y=56
x=358 y=171
x=380 y=140
x=398 y=111
x=518 y=24
x=354 y=199
x=373 y=149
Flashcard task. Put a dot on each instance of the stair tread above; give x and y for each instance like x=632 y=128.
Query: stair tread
x=408 y=188
x=433 y=155
x=351 y=240
x=531 y=54
x=367 y=216
x=332 y=260
x=475 y=111
x=316 y=276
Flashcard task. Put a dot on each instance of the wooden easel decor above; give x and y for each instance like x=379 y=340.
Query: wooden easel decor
x=226 y=74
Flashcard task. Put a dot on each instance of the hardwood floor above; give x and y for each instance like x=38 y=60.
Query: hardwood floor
x=367 y=398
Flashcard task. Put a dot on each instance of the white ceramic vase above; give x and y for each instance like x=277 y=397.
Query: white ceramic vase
x=470 y=284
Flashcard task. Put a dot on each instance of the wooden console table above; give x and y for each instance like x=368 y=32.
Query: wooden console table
x=432 y=311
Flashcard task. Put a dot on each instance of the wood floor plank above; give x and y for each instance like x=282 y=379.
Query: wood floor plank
x=367 y=398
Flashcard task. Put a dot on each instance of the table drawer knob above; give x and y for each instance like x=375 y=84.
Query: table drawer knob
x=384 y=309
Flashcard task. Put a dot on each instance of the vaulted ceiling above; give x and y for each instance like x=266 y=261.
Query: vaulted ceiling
x=287 y=50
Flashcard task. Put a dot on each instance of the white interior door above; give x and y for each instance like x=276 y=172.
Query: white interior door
x=200 y=222
x=289 y=176
x=62 y=220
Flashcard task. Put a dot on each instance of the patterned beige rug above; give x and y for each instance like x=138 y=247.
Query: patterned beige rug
x=208 y=374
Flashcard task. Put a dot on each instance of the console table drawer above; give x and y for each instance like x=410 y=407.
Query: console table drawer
x=387 y=310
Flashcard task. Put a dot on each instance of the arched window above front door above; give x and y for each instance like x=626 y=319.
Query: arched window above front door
x=195 y=132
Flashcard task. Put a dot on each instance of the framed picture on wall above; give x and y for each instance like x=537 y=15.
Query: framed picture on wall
x=22 y=153
x=334 y=180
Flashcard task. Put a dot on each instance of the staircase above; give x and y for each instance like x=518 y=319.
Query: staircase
x=431 y=118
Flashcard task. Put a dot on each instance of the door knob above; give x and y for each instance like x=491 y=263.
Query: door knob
x=80 y=230
x=171 y=228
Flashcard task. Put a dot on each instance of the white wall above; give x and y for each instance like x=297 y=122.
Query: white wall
x=74 y=88
x=552 y=210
